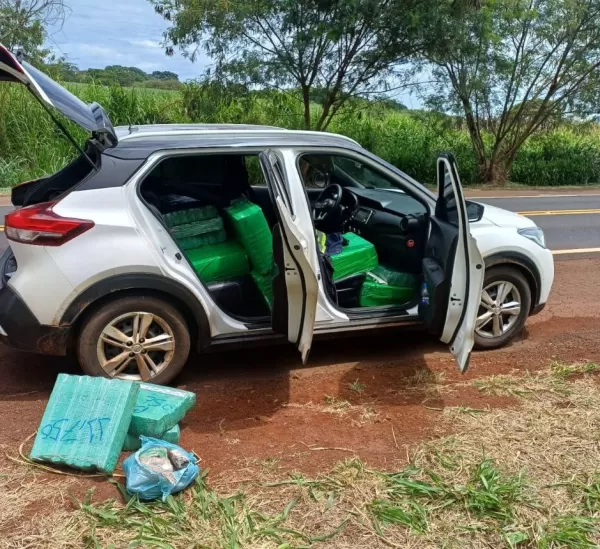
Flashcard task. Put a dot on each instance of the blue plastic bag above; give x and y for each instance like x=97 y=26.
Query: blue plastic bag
x=159 y=469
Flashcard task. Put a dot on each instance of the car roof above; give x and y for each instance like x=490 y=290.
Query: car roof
x=141 y=141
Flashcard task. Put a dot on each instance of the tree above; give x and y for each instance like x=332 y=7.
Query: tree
x=510 y=67
x=342 y=48
x=22 y=23
x=164 y=75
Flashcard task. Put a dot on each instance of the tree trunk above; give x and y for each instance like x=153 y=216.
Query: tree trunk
x=494 y=171
x=306 y=101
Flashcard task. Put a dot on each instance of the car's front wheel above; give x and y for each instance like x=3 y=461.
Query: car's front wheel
x=137 y=338
x=504 y=307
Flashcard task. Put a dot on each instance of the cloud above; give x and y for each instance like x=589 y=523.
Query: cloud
x=118 y=32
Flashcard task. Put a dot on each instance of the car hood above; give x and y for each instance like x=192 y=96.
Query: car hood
x=50 y=94
x=505 y=218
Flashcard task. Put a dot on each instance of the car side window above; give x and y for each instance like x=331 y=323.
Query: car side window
x=256 y=177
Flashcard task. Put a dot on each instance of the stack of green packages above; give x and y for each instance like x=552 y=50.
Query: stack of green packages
x=358 y=256
x=196 y=227
x=219 y=262
x=251 y=229
x=387 y=287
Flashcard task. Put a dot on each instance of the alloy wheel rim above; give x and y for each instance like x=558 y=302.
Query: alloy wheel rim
x=136 y=346
x=499 y=309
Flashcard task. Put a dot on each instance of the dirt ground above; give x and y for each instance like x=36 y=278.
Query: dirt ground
x=371 y=396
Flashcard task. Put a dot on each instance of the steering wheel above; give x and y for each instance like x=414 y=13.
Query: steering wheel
x=328 y=201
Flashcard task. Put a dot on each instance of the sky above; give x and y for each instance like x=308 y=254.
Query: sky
x=97 y=33
x=118 y=32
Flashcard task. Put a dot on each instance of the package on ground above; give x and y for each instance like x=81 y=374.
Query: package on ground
x=385 y=286
x=159 y=409
x=190 y=215
x=250 y=227
x=219 y=262
x=133 y=442
x=159 y=469
x=85 y=422
x=357 y=256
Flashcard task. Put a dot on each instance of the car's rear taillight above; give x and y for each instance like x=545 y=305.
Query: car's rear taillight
x=39 y=225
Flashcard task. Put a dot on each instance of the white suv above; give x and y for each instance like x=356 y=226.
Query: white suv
x=159 y=238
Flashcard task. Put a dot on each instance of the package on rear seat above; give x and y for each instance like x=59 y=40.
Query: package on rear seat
x=251 y=229
x=197 y=228
x=218 y=262
x=190 y=215
x=206 y=239
x=264 y=282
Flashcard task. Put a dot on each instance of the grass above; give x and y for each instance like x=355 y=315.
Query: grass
x=357 y=386
x=522 y=477
x=411 y=140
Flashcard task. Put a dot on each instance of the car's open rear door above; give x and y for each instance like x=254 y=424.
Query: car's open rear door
x=295 y=287
x=453 y=268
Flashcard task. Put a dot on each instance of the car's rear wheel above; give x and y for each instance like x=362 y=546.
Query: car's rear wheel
x=504 y=307
x=137 y=338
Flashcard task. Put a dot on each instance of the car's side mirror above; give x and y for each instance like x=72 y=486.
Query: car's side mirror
x=474 y=211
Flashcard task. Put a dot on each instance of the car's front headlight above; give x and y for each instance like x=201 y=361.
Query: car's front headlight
x=534 y=233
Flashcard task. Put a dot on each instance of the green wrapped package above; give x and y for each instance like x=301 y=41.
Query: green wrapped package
x=387 y=287
x=197 y=228
x=265 y=285
x=190 y=215
x=251 y=229
x=206 y=239
x=133 y=442
x=218 y=262
x=358 y=256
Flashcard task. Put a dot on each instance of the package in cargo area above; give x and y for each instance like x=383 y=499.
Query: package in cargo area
x=357 y=256
x=264 y=282
x=133 y=442
x=85 y=422
x=376 y=291
x=197 y=228
x=190 y=215
x=252 y=231
x=205 y=239
x=218 y=262
x=159 y=409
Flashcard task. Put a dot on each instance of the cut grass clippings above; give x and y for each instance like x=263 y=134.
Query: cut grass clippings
x=521 y=477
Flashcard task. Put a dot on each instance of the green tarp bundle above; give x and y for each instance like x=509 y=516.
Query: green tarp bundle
x=206 y=239
x=85 y=422
x=265 y=285
x=133 y=442
x=387 y=287
x=190 y=215
x=206 y=227
x=358 y=256
x=218 y=262
x=197 y=227
x=252 y=231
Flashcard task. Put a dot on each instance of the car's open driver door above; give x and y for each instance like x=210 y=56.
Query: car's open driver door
x=295 y=287
x=453 y=268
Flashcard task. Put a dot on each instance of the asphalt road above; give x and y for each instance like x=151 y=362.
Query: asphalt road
x=571 y=222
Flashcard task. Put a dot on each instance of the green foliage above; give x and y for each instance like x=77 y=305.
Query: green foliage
x=31 y=147
x=329 y=51
x=517 y=66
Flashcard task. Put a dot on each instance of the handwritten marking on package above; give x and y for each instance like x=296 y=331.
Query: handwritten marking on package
x=70 y=430
x=152 y=402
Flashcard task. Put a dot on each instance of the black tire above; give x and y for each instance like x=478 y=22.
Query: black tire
x=515 y=277
x=95 y=323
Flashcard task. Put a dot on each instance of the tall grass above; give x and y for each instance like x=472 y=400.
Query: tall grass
x=31 y=146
